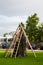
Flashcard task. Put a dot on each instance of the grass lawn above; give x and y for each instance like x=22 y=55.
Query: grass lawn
x=28 y=60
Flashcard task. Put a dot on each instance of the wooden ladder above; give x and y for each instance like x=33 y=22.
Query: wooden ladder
x=13 y=43
x=17 y=46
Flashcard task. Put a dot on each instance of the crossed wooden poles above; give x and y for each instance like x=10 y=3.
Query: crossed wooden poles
x=16 y=38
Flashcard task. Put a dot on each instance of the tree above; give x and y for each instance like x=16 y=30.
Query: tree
x=41 y=32
x=31 y=27
x=5 y=34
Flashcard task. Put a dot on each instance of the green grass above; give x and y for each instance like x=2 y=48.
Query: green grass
x=28 y=60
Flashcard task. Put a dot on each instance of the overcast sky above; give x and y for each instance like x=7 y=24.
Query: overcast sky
x=12 y=12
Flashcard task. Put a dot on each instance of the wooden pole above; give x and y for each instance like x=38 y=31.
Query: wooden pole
x=27 y=40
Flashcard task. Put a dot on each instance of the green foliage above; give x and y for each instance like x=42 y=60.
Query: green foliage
x=32 y=20
x=40 y=30
x=31 y=27
x=34 y=32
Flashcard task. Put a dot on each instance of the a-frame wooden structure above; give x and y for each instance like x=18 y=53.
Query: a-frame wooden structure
x=16 y=42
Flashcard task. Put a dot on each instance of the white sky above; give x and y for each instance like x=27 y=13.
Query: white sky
x=12 y=12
